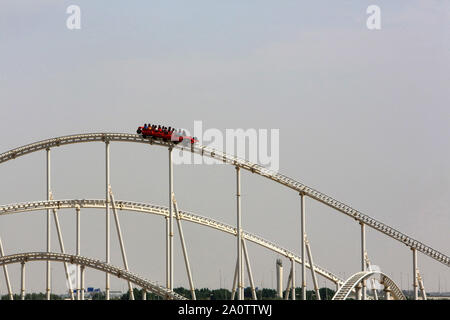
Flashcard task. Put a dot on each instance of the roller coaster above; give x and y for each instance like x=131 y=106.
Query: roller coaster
x=355 y=285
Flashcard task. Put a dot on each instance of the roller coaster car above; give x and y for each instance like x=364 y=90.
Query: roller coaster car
x=165 y=135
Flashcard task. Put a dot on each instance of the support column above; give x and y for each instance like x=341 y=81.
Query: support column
x=144 y=294
x=22 y=281
x=107 y=184
x=363 y=258
x=416 y=291
x=48 y=275
x=422 y=288
x=82 y=282
x=303 y=235
x=239 y=234
x=293 y=278
x=78 y=248
x=279 y=278
x=170 y=220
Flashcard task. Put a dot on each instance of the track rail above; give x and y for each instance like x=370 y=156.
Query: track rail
x=351 y=283
x=95 y=264
x=162 y=211
x=244 y=164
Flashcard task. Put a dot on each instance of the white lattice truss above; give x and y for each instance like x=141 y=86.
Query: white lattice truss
x=241 y=163
x=148 y=285
x=345 y=286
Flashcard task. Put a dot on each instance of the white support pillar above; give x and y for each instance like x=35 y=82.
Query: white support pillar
x=78 y=248
x=303 y=235
x=249 y=269
x=363 y=259
x=122 y=247
x=239 y=235
x=293 y=278
x=144 y=294
x=48 y=277
x=82 y=282
x=183 y=246
x=107 y=213
x=5 y=271
x=171 y=267
x=22 y=281
x=415 y=284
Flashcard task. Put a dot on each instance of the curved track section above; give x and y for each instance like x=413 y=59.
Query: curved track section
x=162 y=211
x=94 y=264
x=351 y=283
x=244 y=164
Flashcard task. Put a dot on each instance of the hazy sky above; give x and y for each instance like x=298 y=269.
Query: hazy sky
x=364 y=116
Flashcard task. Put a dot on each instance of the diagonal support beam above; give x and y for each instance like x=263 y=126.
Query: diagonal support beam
x=61 y=245
x=5 y=271
x=122 y=247
x=48 y=194
x=78 y=247
x=293 y=279
x=233 y=290
x=249 y=269
x=239 y=235
x=183 y=246
x=288 y=286
x=107 y=220
x=421 y=286
x=170 y=221
x=313 y=272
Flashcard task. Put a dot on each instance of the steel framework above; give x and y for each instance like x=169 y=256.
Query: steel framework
x=168 y=213
x=356 y=279
x=84 y=262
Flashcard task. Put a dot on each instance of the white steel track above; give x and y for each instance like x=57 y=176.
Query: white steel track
x=162 y=211
x=351 y=283
x=241 y=163
x=94 y=264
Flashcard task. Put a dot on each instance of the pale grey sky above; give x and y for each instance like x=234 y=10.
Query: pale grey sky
x=363 y=116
